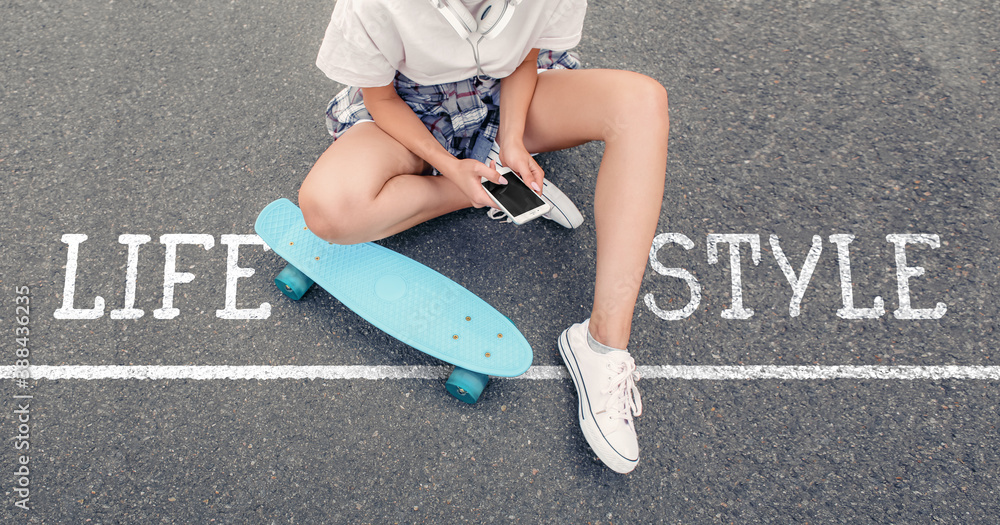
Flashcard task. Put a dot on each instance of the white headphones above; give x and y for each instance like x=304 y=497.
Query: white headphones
x=488 y=22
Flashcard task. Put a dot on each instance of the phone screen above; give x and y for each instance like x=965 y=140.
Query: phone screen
x=515 y=195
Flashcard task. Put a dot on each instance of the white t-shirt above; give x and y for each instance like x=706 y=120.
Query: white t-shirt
x=367 y=41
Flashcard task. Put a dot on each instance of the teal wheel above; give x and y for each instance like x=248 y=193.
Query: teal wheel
x=293 y=283
x=466 y=385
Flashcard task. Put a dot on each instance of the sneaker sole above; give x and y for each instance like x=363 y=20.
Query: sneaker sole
x=591 y=432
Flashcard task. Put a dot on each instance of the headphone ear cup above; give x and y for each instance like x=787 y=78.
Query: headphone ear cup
x=493 y=17
x=488 y=15
x=459 y=17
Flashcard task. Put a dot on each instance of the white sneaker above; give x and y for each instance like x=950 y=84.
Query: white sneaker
x=563 y=210
x=608 y=398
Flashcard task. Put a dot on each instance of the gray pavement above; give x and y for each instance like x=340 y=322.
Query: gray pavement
x=797 y=119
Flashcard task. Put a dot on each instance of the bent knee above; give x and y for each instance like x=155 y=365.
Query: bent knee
x=330 y=217
x=642 y=100
x=648 y=97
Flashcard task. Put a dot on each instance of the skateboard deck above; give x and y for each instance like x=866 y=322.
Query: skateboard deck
x=401 y=297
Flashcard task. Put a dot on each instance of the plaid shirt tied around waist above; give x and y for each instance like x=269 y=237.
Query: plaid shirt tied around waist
x=463 y=116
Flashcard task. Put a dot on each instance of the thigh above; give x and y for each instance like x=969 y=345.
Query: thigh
x=359 y=163
x=574 y=106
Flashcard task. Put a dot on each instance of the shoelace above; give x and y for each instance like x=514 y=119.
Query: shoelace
x=624 y=401
x=498 y=215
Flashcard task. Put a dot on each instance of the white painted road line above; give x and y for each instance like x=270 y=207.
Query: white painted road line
x=707 y=373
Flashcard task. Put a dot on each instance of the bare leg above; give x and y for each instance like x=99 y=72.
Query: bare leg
x=367 y=186
x=628 y=112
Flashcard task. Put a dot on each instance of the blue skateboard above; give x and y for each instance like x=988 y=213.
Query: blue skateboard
x=401 y=297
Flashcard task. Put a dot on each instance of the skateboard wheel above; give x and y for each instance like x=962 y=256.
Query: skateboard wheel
x=292 y=282
x=466 y=385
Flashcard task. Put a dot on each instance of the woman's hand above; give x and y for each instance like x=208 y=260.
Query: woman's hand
x=467 y=174
x=516 y=157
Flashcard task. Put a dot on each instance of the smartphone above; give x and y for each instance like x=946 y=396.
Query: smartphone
x=515 y=198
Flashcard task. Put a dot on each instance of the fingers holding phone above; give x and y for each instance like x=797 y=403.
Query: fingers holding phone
x=515 y=198
x=525 y=166
x=467 y=174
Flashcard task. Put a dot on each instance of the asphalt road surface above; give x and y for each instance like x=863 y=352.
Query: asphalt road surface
x=847 y=376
